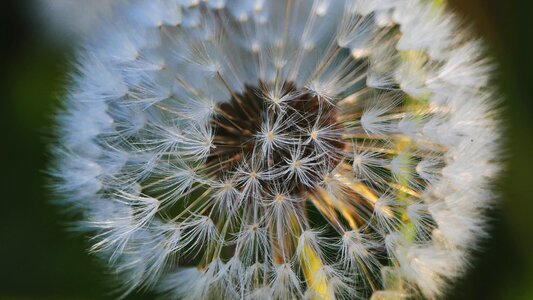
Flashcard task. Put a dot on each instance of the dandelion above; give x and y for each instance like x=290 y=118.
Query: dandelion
x=314 y=149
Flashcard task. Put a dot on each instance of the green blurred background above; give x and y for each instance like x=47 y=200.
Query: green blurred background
x=39 y=260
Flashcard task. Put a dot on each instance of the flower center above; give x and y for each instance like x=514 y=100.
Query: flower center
x=274 y=131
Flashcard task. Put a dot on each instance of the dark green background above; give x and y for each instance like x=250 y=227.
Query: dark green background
x=39 y=260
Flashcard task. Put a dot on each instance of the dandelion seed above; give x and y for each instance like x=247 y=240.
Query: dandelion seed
x=315 y=149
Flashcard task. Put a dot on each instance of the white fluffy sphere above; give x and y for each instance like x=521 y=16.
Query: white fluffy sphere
x=276 y=149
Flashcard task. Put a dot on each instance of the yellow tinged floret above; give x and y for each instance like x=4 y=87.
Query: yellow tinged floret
x=316 y=281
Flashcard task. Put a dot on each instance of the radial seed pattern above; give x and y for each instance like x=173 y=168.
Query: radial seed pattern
x=280 y=149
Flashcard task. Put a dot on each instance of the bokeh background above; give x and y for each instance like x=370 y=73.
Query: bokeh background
x=40 y=260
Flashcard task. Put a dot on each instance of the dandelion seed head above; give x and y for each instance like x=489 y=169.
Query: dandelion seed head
x=257 y=149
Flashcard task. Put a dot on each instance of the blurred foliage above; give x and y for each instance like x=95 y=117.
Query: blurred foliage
x=39 y=260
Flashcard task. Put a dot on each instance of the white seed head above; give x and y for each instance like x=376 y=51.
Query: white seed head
x=313 y=149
